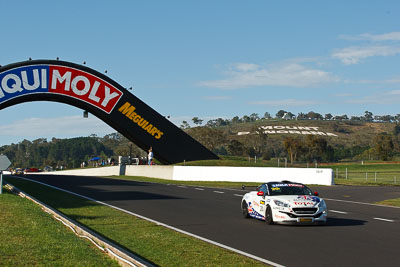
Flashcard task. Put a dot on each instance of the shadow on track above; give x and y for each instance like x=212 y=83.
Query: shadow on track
x=344 y=222
x=332 y=222
x=126 y=190
x=83 y=180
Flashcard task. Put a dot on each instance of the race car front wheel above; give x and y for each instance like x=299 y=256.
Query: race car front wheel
x=245 y=210
x=268 y=216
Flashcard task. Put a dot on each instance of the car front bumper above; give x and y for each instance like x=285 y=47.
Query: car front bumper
x=282 y=217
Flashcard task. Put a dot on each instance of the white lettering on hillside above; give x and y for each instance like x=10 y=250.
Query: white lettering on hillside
x=302 y=130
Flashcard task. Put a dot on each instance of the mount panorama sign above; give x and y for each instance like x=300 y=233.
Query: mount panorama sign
x=300 y=130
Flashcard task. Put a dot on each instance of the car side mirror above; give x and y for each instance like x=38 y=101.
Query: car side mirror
x=260 y=193
x=316 y=193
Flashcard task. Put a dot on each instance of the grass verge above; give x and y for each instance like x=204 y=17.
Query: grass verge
x=362 y=182
x=154 y=243
x=31 y=237
x=390 y=202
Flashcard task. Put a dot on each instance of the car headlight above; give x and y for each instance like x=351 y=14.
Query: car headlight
x=281 y=204
x=322 y=204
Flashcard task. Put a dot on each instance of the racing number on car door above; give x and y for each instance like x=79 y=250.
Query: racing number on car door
x=260 y=206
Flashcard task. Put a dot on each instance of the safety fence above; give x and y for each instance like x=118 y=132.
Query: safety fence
x=386 y=177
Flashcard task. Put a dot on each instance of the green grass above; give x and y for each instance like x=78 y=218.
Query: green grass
x=365 y=167
x=367 y=173
x=390 y=202
x=157 y=244
x=29 y=236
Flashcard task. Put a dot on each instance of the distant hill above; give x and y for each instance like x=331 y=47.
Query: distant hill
x=337 y=140
x=346 y=133
x=341 y=140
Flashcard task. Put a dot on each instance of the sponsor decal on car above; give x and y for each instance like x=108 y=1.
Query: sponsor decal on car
x=302 y=203
x=279 y=216
x=254 y=213
x=285 y=185
x=308 y=198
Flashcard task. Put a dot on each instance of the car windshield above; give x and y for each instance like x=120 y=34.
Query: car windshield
x=277 y=189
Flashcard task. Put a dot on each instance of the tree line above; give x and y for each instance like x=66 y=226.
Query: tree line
x=283 y=114
x=72 y=152
x=69 y=153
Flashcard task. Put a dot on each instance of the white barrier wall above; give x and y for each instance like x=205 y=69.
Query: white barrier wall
x=254 y=174
x=234 y=174
x=154 y=171
x=227 y=174
x=101 y=171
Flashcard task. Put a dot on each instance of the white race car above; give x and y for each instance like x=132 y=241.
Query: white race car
x=284 y=202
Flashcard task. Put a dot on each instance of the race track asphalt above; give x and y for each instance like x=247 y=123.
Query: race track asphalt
x=357 y=233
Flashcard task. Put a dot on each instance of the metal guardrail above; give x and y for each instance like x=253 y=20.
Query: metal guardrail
x=123 y=257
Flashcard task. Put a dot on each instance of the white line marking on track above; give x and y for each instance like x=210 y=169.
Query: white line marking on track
x=385 y=220
x=336 y=211
x=219 y=192
x=238 y=195
x=182 y=186
x=362 y=203
x=166 y=225
x=201 y=189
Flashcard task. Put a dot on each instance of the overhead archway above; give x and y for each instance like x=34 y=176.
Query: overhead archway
x=85 y=88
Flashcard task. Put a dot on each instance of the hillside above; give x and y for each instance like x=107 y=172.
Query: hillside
x=346 y=133
x=334 y=141
x=310 y=140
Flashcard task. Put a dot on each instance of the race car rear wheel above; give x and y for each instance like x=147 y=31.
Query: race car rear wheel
x=268 y=216
x=245 y=210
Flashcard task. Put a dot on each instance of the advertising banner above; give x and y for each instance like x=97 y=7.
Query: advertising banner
x=82 y=87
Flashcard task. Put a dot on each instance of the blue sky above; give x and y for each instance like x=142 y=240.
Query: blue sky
x=209 y=59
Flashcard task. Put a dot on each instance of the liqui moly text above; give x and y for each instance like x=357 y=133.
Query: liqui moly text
x=54 y=79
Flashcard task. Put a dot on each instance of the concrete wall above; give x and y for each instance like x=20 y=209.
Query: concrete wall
x=254 y=174
x=155 y=171
x=227 y=174
x=234 y=174
x=101 y=171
